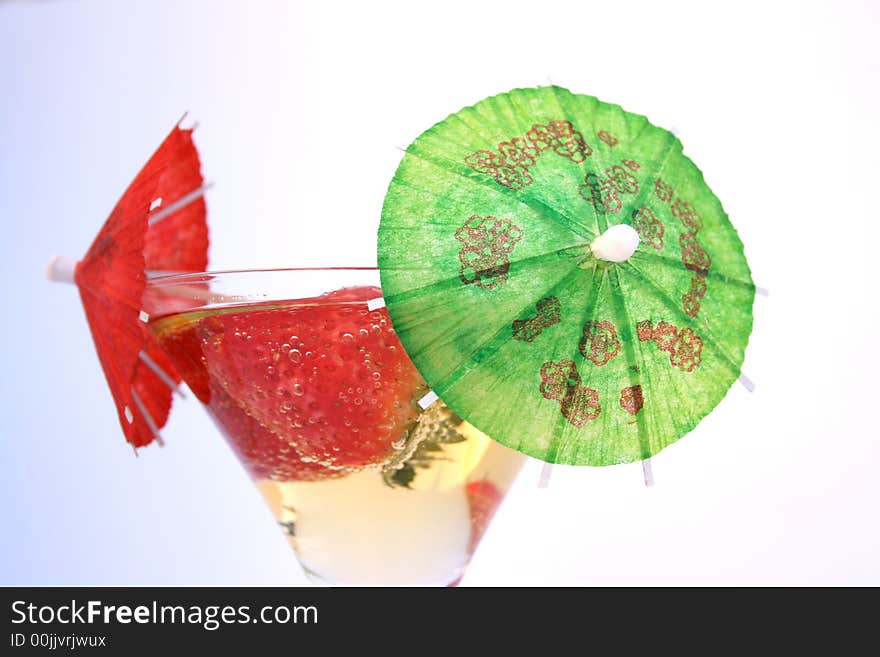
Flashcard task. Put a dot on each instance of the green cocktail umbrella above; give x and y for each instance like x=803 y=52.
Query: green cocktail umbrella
x=563 y=277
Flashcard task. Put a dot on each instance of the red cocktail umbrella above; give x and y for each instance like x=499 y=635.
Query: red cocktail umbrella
x=158 y=225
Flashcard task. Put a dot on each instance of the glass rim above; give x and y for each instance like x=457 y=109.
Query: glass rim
x=175 y=292
x=172 y=276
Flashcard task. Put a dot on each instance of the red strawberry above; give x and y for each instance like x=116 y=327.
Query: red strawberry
x=327 y=376
x=483 y=499
x=265 y=455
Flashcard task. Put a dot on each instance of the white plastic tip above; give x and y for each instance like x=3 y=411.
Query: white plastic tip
x=60 y=269
x=647 y=472
x=428 y=399
x=616 y=244
x=546 y=471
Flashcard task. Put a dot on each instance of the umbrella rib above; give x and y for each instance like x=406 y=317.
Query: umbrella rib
x=682 y=316
x=707 y=335
x=510 y=112
x=672 y=140
x=511 y=100
x=493 y=343
x=711 y=273
x=598 y=217
x=668 y=150
x=111 y=371
x=671 y=143
x=482 y=136
x=596 y=285
x=652 y=385
x=629 y=350
x=406 y=295
x=117 y=375
x=643 y=193
x=527 y=200
x=147 y=417
x=488 y=137
x=180 y=203
x=162 y=374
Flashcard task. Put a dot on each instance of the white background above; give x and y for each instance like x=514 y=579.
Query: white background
x=303 y=109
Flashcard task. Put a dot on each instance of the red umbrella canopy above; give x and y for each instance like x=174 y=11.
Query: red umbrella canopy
x=158 y=225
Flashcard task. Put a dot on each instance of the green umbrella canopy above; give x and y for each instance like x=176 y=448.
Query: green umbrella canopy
x=507 y=264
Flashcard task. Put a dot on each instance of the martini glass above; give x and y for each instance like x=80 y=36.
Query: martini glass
x=373 y=480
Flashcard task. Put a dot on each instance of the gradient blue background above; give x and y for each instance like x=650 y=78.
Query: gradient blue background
x=302 y=111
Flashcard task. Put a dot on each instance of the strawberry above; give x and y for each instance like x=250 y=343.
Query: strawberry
x=266 y=455
x=483 y=500
x=325 y=376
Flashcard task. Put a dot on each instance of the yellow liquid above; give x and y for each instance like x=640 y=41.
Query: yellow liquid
x=359 y=530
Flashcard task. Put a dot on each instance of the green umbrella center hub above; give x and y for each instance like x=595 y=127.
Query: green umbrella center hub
x=616 y=244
